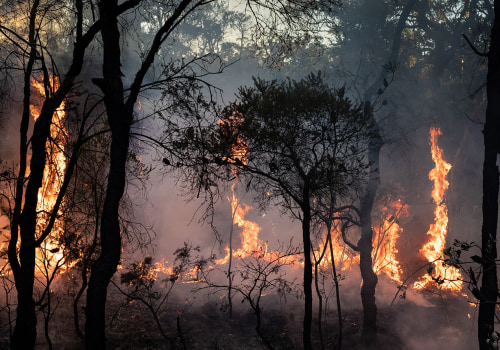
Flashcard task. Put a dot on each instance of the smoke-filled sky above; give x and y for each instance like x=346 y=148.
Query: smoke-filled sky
x=435 y=82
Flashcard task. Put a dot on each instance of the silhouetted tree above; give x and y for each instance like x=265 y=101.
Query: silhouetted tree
x=32 y=52
x=289 y=141
x=489 y=285
x=271 y=20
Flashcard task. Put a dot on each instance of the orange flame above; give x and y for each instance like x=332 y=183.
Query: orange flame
x=55 y=167
x=250 y=242
x=448 y=277
x=387 y=232
x=251 y=245
x=343 y=255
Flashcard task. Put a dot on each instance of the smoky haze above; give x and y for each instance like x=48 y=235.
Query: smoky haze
x=436 y=82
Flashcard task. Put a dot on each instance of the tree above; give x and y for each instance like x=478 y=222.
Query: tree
x=415 y=41
x=489 y=286
x=276 y=21
x=365 y=244
x=30 y=227
x=31 y=45
x=289 y=141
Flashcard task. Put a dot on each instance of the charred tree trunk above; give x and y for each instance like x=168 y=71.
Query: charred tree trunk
x=24 y=269
x=120 y=116
x=306 y=238
x=365 y=246
x=489 y=286
x=119 y=121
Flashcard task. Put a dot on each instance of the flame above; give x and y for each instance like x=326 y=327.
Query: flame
x=52 y=254
x=448 y=277
x=251 y=245
x=250 y=242
x=343 y=255
x=386 y=234
x=239 y=148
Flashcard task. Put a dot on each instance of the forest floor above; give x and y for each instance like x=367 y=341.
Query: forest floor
x=442 y=323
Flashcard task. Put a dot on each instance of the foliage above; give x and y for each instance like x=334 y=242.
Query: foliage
x=278 y=137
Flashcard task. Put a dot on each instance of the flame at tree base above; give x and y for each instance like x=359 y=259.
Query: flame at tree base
x=446 y=277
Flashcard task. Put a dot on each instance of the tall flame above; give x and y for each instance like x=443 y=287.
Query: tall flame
x=448 y=277
x=52 y=179
x=251 y=245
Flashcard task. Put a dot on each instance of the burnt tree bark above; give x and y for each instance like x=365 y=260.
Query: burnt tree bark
x=24 y=269
x=365 y=245
x=489 y=286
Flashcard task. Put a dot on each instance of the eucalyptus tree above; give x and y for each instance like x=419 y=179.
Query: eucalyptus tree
x=121 y=90
x=394 y=55
x=29 y=41
x=292 y=142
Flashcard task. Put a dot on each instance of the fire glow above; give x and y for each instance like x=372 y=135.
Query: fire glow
x=449 y=277
x=52 y=254
x=387 y=231
x=386 y=234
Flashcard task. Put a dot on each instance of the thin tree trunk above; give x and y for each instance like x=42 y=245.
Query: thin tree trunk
x=316 y=285
x=336 y=281
x=489 y=286
x=85 y=267
x=306 y=227
x=230 y=264
x=24 y=336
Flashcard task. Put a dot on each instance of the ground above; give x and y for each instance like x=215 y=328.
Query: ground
x=422 y=321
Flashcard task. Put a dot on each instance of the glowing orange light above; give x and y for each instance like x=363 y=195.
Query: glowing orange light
x=449 y=277
x=386 y=234
x=55 y=167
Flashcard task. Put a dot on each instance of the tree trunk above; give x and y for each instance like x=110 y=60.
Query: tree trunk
x=489 y=286
x=119 y=121
x=306 y=227
x=337 y=291
x=369 y=277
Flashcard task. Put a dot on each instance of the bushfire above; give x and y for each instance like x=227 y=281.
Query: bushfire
x=448 y=277
x=387 y=231
x=387 y=228
x=51 y=254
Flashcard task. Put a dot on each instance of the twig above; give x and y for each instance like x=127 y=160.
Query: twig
x=482 y=54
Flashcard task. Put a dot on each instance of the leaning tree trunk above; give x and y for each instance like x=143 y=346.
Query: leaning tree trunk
x=489 y=286
x=119 y=121
x=24 y=223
